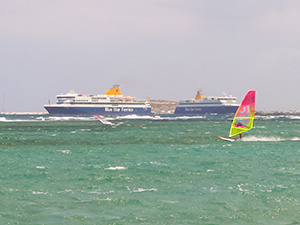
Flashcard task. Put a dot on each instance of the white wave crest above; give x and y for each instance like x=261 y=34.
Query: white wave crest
x=293 y=117
x=117 y=168
x=295 y=139
x=43 y=118
x=157 y=117
x=40 y=167
x=134 y=117
x=274 y=117
x=39 y=193
x=269 y=139
x=143 y=190
x=183 y=117
x=65 y=151
x=67 y=118
x=171 y=202
x=3 y=119
x=261 y=138
x=269 y=117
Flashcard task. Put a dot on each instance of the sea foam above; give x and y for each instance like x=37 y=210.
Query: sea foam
x=263 y=139
x=116 y=168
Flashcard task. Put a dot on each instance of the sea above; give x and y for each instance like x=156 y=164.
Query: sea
x=148 y=170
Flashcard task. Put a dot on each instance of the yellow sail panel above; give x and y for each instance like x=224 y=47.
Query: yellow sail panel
x=244 y=116
x=115 y=90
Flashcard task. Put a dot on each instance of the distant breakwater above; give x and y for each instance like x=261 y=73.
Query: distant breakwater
x=163 y=106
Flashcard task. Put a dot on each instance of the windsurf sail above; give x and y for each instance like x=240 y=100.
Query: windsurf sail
x=244 y=116
x=103 y=120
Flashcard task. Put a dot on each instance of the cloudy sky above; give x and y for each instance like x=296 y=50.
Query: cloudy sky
x=165 y=49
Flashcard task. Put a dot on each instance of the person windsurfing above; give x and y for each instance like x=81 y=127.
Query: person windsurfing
x=239 y=124
x=243 y=118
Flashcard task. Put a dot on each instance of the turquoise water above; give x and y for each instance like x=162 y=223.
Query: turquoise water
x=148 y=170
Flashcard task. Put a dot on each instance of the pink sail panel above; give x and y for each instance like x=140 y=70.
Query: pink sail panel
x=244 y=116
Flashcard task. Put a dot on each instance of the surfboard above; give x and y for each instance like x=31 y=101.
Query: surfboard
x=226 y=139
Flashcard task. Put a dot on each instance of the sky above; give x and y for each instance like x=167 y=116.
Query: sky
x=164 y=49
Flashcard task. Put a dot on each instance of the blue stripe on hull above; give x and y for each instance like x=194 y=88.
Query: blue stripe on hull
x=206 y=110
x=94 y=110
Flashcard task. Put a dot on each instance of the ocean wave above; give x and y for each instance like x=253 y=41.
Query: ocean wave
x=45 y=118
x=39 y=193
x=277 y=117
x=65 y=151
x=294 y=117
x=170 y=202
x=268 y=139
x=269 y=117
x=97 y=200
x=67 y=118
x=117 y=168
x=154 y=117
x=183 y=118
x=7 y=120
x=295 y=139
x=144 y=190
x=133 y=117
x=40 y=167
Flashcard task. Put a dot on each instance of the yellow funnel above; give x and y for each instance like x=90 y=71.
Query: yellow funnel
x=199 y=96
x=115 y=90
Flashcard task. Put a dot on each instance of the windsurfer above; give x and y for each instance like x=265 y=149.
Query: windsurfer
x=239 y=124
x=240 y=136
x=244 y=116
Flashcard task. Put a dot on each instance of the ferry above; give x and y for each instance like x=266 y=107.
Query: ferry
x=207 y=105
x=112 y=102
